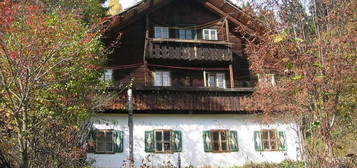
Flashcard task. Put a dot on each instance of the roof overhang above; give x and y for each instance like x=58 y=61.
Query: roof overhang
x=245 y=23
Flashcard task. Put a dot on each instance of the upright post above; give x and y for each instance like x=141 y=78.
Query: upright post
x=130 y=125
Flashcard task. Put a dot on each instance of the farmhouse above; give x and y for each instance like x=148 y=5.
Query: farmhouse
x=189 y=70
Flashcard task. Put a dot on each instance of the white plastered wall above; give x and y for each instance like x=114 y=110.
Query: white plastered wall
x=192 y=127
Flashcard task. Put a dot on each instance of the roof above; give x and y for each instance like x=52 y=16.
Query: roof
x=245 y=23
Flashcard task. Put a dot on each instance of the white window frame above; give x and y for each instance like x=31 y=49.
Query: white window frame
x=108 y=75
x=104 y=141
x=155 y=77
x=163 y=34
x=207 y=79
x=163 y=141
x=211 y=36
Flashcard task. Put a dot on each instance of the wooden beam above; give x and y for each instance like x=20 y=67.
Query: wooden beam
x=231 y=72
x=152 y=5
x=230 y=18
x=231 y=75
x=146 y=51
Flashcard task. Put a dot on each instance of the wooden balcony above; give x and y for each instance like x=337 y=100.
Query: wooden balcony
x=190 y=50
x=184 y=99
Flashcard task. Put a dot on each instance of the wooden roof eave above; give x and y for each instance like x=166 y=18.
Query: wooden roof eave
x=145 y=7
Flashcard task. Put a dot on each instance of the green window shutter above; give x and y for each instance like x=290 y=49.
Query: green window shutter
x=149 y=141
x=258 y=141
x=118 y=141
x=233 y=141
x=91 y=141
x=207 y=141
x=282 y=141
x=177 y=140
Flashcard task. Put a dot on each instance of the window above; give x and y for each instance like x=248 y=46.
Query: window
x=161 y=78
x=161 y=32
x=105 y=141
x=209 y=34
x=185 y=34
x=270 y=140
x=108 y=75
x=215 y=79
x=163 y=141
x=220 y=141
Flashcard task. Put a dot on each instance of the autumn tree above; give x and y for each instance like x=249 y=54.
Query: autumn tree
x=310 y=46
x=49 y=80
x=114 y=7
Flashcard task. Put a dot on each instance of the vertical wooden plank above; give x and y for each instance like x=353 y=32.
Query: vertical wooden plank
x=145 y=51
x=231 y=75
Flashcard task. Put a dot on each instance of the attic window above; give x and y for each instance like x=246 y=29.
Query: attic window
x=209 y=34
x=162 y=32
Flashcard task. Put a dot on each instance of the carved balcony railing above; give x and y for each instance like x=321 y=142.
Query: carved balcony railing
x=194 y=99
x=189 y=50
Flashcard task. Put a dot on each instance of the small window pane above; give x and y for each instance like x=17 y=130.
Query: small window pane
x=212 y=82
x=165 y=32
x=158 y=136
x=166 y=78
x=167 y=146
x=109 y=147
x=188 y=34
x=224 y=146
x=108 y=74
x=213 y=35
x=167 y=136
x=220 y=80
x=182 y=34
x=265 y=135
x=266 y=145
x=157 y=32
x=159 y=147
x=108 y=136
x=273 y=145
x=100 y=147
x=206 y=34
x=158 y=78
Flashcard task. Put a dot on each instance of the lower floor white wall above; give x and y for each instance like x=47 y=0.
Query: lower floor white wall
x=192 y=127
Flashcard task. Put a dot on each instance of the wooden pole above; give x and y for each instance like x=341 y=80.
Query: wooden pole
x=131 y=125
x=231 y=73
x=146 y=51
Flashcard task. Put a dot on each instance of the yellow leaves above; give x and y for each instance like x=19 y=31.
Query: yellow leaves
x=114 y=7
x=279 y=38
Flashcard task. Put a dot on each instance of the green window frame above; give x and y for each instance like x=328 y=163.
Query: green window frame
x=105 y=141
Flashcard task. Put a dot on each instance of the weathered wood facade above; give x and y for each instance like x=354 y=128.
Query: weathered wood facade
x=189 y=62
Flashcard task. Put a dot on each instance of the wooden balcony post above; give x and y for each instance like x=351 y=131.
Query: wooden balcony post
x=231 y=75
x=145 y=51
